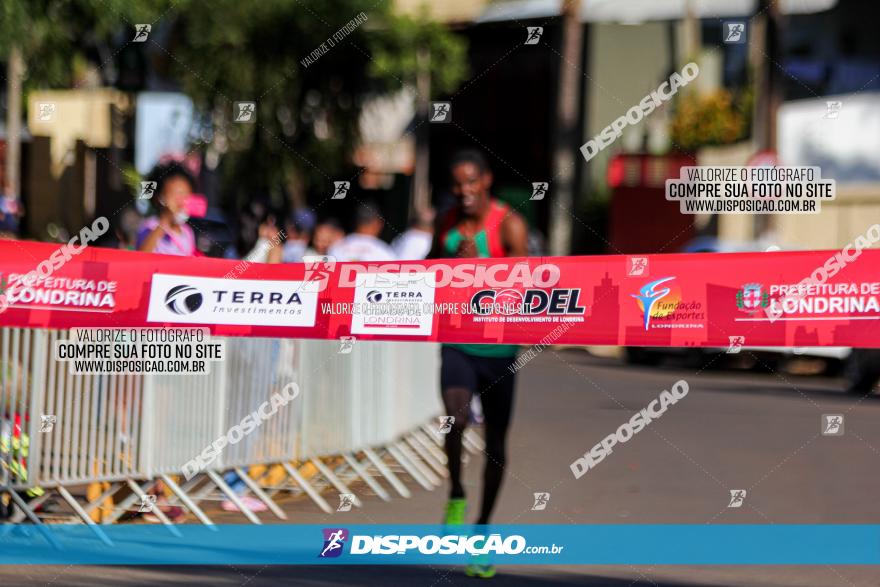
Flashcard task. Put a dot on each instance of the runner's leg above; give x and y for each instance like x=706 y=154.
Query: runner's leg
x=458 y=382
x=496 y=385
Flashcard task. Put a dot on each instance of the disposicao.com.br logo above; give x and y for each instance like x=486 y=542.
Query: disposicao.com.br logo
x=334 y=540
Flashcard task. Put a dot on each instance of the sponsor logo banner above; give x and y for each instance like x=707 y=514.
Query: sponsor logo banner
x=785 y=298
x=394 y=303
x=208 y=300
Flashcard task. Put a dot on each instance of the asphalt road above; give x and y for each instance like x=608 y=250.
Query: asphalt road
x=734 y=430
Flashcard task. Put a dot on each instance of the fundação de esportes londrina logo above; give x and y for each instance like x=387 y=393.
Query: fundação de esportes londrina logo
x=661 y=304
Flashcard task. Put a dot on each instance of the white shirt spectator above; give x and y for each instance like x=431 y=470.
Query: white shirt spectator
x=293 y=251
x=412 y=244
x=361 y=247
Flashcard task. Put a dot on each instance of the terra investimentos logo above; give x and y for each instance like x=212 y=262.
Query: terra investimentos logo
x=183 y=299
x=214 y=300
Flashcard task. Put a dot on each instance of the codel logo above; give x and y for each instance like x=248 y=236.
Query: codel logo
x=374 y=296
x=334 y=542
x=507 y=302
x=183 y=299
x=510 y=302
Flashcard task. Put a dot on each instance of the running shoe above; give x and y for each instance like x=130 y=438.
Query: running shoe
x=483 y=571
x=455 y=510
x=481 y=566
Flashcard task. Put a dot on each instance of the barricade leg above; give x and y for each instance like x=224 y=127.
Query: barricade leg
x=95 y=504
x=335 y=481
x=123 y=506
x=230 y=494
x=187 y=502
x=155 y=510
x=261 y=495
x=362 y=472
x=415 y=460
x=408 y=466
x=430 y=446
x=84 y=516
x=307 y=487
x=426 y=456
x=43 y=528
x=386 y=472
x=433 y=435
x=20 y=514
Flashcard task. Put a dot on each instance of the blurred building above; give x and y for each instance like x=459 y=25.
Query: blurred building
x=74 y=167
x=826 y=52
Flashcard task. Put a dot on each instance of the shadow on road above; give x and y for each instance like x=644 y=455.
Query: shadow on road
x=737 y=381
x=256 y=576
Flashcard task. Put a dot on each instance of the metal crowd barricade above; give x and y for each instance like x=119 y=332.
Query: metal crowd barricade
x=361 y=416
x=63 y=429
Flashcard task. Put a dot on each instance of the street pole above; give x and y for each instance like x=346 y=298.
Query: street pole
x=14 y=75
x=564 y=149
x=421 y=181
x=767 y=55
x=768 y=87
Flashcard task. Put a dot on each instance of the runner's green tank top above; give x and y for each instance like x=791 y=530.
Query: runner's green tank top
x=488 y=244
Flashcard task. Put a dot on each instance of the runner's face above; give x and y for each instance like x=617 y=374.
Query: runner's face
x=471 y=187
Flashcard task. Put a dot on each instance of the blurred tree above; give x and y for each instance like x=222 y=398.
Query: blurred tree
x=307 y=110
x=43 y=41
x=227 y=51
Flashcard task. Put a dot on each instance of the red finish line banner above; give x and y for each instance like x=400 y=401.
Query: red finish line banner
x=810 y=298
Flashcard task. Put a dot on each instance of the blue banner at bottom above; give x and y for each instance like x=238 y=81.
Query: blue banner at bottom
x=287 y=544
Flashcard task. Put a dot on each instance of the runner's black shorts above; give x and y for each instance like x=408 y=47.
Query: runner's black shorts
x=477 y=374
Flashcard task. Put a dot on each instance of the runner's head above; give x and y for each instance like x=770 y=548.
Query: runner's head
x=368 y=220
x=328 y=232
x=471 y=180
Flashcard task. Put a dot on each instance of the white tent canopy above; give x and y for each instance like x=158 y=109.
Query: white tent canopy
x=637 y=11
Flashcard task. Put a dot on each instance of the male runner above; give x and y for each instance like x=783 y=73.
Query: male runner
x=477 y=226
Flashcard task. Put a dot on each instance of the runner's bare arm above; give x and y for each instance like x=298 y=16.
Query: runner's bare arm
x=515 y=235
x=437 y=245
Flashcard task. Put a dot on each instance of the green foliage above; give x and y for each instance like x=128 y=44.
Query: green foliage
x=223 y=51
x=394 y=56
x=713 y=119
x=227 y=51
x=53 y=33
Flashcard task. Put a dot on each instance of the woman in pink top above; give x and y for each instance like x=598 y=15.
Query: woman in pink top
x=168 y=233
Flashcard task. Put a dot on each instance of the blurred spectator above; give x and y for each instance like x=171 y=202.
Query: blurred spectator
x=299 y=230
x=266 y=249
x=10 y=213
x=127 y=228
x=123 y=231
x=364 y=243
x=415 y=242
x=327 y=233
x=168 y=233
